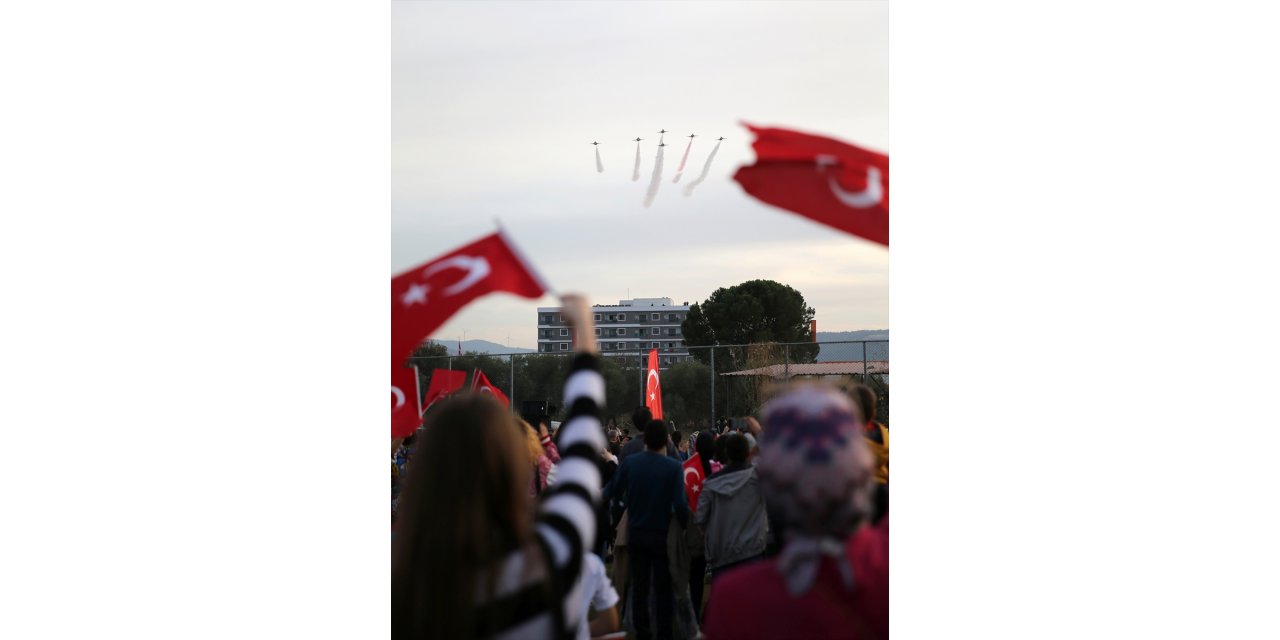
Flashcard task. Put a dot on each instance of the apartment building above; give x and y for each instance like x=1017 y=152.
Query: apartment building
x=628 y=329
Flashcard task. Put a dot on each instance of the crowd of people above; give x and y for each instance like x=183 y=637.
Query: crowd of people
x=507 y=527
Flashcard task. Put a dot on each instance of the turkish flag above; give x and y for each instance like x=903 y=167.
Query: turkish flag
x=653 y=388
x=825 y=180
x=693 y=480
x=406 y=412
x=443 y=383
x=480 y=383
x=424 y=297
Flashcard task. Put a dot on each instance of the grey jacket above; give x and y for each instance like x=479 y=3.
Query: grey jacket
x=731 y=512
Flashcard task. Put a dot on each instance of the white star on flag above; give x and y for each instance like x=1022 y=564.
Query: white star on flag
x=652 y=397
x=416 y=293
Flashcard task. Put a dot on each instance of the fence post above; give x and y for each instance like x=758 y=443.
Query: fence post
x=644 y=366
x=511 y=360
x=786 y=362
x=713 y=387
x=864 y=362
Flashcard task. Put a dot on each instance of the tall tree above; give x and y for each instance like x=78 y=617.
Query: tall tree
x=755 y=311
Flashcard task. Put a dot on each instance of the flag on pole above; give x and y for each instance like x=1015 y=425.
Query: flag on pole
x=828 y=181
x=425 y=297
x=480 y=384
x=693 y=480
x=653 y=387
x=444 y=383
x=405 y=406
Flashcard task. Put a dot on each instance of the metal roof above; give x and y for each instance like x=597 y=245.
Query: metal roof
x=852 y=367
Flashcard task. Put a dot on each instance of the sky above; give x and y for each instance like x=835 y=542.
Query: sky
x=495 y=104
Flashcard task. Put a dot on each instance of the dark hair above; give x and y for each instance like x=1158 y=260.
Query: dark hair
x=655 y=435
x=865 y=398
x=721 y=443
x=676 y=437
x=705 y=445
x=737 y=448
x=459 y=516
x=641 y=417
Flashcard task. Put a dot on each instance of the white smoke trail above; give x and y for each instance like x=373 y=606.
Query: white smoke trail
x=680 y=169
x=656 y=181
x=635 y=173
x=688 y=190
x=599 y=165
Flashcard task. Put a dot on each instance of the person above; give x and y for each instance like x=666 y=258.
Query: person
x=719 y=452
x=682 y=446
x=640 y=418
x=831 y=580
x=652 y=487
x=704 y=446
x=598 y=595
x=731 y=511
x=543 y=454
x=471 y=556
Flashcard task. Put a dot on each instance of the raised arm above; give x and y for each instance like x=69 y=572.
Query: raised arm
x=566 y=518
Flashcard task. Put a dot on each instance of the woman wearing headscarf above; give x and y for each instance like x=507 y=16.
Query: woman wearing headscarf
x=831 y=580
x=704 y=446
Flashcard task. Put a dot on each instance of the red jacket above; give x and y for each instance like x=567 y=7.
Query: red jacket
x=752 y=602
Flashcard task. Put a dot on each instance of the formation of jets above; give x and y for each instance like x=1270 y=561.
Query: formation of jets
x=690 y=136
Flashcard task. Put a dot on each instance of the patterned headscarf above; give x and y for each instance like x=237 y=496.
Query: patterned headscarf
x=816 y=474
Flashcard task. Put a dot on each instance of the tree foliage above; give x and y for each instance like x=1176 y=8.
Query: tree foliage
x=755 y=311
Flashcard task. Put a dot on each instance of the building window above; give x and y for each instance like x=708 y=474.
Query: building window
x=597 y=331
x=564 y=346
x=655 y=331
x=564 y=333
x=597 y=317
x=622 y=345
x=655 y=316
x=653 y=345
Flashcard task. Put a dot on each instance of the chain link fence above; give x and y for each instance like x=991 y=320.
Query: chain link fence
x=699 y=384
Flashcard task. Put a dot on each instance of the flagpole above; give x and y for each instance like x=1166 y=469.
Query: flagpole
x=417 y=390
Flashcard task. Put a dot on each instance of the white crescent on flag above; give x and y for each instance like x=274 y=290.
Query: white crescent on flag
x=399 y=397
x=869 y=197
x=477 y=269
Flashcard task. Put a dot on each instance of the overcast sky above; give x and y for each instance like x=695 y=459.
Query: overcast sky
x=495 y=104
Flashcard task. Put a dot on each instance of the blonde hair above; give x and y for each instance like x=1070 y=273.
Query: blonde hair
x=532 y=441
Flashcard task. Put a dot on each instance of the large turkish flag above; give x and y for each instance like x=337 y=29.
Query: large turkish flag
x=424 y=297
x=828 y=181
x=653 y=387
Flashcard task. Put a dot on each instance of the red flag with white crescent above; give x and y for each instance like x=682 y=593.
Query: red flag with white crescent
x=828 y=181
x=405 y=408
x=693 y=479
x=444 y=383
x=480 y=384
x=653 y=387
x=426 y=296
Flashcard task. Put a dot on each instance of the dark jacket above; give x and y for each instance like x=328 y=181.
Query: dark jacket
x=652 y=487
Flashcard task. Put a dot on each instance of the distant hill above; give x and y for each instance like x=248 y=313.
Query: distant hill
x=844 y=352
x=480 y=346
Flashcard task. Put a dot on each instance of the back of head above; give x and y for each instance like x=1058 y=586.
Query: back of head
x=676 y=437
x=655 y=435
x=641 y=417
x=720 y=455
x=736 y=448
x=465 y=505
x=865 y=398
x=814 y=465
x=705 y=445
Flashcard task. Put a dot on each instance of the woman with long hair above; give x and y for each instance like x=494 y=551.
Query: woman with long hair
x=472 y=558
